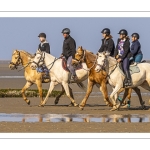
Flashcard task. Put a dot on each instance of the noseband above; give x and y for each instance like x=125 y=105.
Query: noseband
x=17 y=62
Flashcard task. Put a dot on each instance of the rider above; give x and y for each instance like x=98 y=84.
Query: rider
x=69 y=50
x=45 y=47
x=136 y=48
x=107 y=42
x=122 y=54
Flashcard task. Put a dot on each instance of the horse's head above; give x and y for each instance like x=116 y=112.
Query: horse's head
x=101 y=61
x=15 y=60
x=38 y=60
x=80 y=54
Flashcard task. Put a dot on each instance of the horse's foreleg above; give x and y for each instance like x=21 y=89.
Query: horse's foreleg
x=112 y=95
x=138 y=92
x=51 y=87
x=89 y=90
x=103 y=89
x=39 y=86
x=27 y=85
x=66 y=87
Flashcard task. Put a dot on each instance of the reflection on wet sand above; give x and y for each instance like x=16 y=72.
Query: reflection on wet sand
x=74 y=118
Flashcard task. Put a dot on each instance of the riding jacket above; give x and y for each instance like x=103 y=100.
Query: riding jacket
x=126 y=49
x=136 y=48
x=44 y=47
x=107 y=45
x=69 y=47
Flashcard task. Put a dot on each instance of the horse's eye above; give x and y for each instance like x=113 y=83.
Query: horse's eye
x=16 y=57
x=100 y=56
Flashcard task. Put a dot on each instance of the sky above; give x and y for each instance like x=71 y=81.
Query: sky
x=22 y=33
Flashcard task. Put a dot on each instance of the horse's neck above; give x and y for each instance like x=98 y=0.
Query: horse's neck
x=49 y=59
x=90 y=59
x=111 y=64
x=24 y=57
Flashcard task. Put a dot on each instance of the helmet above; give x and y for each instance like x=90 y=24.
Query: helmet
x=106 y=31
x=42 y=35
x=123 y=31
x=66 y=31
x=136 y=35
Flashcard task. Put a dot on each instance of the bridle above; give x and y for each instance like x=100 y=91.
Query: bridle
x=17 y=62
x=103 y=67
x=40 y=60
x=82 y=59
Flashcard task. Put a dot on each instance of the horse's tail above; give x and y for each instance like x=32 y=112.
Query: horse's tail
x=81 y=85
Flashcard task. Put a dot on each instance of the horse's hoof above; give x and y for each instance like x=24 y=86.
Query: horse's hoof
x=70 y=105
x=56 y=101
x=114 y=108
x=81 y=107
x=28 y=102
x=75 y=105
x=41 y=105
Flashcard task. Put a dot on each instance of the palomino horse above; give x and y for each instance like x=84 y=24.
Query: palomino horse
x=31 y=76
x=115 y=78
x=96 y=77
x=57 y=73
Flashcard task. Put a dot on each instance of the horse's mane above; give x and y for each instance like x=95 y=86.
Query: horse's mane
x=27 y=53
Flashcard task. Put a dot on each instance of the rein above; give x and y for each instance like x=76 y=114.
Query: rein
x=84 y=58
x=42 y=60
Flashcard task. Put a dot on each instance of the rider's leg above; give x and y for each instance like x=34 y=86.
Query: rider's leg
x=70 y=67
x=127 y=72
x=138 y=58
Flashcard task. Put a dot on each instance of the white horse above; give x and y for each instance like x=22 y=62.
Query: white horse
x=115 y=78
x=57 y=73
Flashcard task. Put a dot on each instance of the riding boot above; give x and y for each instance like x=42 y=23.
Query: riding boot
x=128 y=79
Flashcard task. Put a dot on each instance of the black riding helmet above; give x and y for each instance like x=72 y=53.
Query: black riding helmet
x=123 y=32
x=66 y=31
x=42 y=35
x=106 y=31
x=136 y=35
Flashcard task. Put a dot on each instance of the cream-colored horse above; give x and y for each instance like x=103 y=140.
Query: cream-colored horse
x=115 y=78
x=57 y=73
x=31 y=76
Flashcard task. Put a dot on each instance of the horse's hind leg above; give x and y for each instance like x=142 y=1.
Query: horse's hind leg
x=27 y=85
x=58 y=97
x=66 y=87
x=138 y=92
x=89 y=90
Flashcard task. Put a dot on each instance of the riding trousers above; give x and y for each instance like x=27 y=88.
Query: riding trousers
x=126 y=64
x=138 y=58
x=70 y=67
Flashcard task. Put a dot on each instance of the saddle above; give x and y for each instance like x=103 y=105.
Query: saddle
x=64 y=65
x=133 y=68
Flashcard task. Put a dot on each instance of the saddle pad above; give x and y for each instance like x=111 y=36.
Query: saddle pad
x=64 y=65
x=133 y=69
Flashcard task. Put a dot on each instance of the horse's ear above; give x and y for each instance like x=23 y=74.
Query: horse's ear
x=81 y=47
x=107 y=53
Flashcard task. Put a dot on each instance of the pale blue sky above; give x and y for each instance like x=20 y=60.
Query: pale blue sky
x=21 y=33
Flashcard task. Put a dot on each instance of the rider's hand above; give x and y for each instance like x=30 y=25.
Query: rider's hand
x=118 y=60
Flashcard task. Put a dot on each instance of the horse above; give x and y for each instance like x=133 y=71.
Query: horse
x=31 y=76
x=58 y=74
x=115 y=78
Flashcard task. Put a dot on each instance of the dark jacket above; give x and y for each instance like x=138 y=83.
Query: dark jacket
x=44 y=47
x=136 y=48
x=69 y=47
x=126 y=48
x=107 y=45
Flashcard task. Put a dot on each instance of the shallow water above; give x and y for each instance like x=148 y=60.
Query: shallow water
x=73 y=118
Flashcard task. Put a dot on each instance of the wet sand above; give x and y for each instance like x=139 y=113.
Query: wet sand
x=95 y=105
